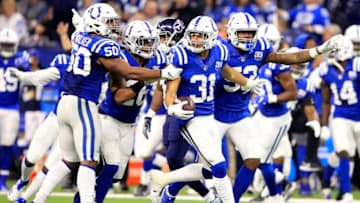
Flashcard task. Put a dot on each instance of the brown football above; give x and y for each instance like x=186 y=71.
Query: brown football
x=190 y=106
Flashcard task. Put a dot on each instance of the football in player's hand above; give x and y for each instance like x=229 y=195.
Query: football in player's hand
x=190 y=106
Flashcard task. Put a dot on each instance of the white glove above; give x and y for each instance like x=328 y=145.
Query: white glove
x=13 y=72
x=331 y=44
x=77 y=20
x=170 y=72
x=315 y=125
x=255 y=86
x=177 y=111
x=325 y=133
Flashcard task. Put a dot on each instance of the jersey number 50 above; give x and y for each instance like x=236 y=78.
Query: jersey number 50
x=80 y=62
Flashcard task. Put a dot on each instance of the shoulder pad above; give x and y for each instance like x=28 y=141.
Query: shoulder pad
x=224 y=53
x=356 y=64
x=60 y=59
x=106 y=48
x=179 y=54
x=161 y=57
x=264 y=43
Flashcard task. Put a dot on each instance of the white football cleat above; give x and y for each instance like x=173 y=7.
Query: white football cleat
x=158 y=182
x=275 y=199
x=347 y=198
x=16 y=189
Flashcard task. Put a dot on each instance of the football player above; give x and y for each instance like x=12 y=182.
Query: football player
x=203 y=59
x=94 y=53
x=10 y=57
x=340 y=82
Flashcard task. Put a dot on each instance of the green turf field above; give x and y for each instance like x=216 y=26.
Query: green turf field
x=126 y=197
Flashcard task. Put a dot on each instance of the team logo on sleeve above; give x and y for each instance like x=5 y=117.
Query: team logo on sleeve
x=218 y=65
x=258 y=55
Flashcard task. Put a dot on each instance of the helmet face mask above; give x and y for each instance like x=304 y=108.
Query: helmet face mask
x=201 y=34
x=170 y=31
x=239 y=25
x=102 y=20
x=298 y=70
x=8 y=43
x=141 y=39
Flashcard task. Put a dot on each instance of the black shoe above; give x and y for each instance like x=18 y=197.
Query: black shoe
x=289 y=188
x=257 y=199
x=311 y=166
x=142 y=191
x=340 y=195
x=123 y=187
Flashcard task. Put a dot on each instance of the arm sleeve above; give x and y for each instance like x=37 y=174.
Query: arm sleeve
x=40 y=77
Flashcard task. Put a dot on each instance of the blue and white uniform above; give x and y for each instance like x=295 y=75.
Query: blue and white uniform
x=118 y=119
x=232 y=114
x=47 y=133
x=305 y=90
x=79 y=122
x=275 y=118
x=9 y=97
x=198 y=80
x=345 y=93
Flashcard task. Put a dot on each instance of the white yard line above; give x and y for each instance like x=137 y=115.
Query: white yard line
x=196 y=198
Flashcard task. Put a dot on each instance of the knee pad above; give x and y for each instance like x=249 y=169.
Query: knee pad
x=219 y=170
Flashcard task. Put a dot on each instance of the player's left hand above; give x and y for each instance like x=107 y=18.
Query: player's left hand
x=170 y=72
x=147 y=126
x=315 y=126
x=331 y=44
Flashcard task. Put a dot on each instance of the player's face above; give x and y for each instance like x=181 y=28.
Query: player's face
x=164 y=37
x=114 y=25
x=245 y=35
x=147 y=44
x=197 y=38
x=356 y=48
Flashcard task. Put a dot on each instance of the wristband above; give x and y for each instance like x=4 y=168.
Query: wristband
x=151 y=113
x=137 y=86
x=272 y=98
x=314 y=52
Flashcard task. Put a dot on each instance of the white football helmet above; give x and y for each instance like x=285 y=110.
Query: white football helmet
x=9 y=42
x=140 y=38
x=270 y=32
x=242 y=22
x=206 y=28
x=353 y=33
x=102 y=19
x=297 y=70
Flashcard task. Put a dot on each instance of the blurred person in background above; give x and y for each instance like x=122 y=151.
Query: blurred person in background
x=239 y=6
x=131 y=7
x=33 y=10
x=12 y=19
x=186 y=9
x=150 y=13
x=308 y=17
x=265 y=11
x=9 y=98
x=30 y=100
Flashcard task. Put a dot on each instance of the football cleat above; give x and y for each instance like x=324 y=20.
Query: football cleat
x=16 y=189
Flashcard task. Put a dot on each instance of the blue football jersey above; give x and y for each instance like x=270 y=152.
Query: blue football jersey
x=305 y=89
x=345 y=89
x=61 y=62
x=9 y=86
x=270 y=71
x=129 y=110
x=84 y=75
x=199 y=77
x=231 y=101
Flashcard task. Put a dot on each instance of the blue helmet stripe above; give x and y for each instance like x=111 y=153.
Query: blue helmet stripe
x=212 y=25
x=148 y=26
x=247 y=18
x=266 y=29
x=197 y=21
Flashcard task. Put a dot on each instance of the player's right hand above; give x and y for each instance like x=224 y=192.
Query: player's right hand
x=177 y=111
x=325 y=133
x=170 y=72
x=255 y=86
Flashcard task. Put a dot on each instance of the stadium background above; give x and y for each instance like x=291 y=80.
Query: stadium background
x=42 y=23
